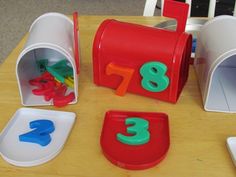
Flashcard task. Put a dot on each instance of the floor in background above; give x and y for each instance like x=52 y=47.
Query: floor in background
x=17 y=16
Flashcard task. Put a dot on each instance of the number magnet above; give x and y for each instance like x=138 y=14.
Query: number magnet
x=126 y=73
x=154 y=78
x=139 y=129
x=41 y=133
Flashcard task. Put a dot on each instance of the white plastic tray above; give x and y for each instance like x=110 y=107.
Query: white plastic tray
x=30 y=154
x=231 y=144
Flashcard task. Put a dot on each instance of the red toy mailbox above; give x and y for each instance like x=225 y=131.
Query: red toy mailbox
x=144 y=60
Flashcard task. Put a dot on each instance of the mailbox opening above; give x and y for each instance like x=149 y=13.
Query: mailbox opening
x=222 y=87
x=28 y=69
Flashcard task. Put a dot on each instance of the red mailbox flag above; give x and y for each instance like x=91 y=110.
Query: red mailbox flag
x=177 y=10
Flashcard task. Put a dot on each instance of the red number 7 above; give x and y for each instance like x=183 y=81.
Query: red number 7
x=126 y=73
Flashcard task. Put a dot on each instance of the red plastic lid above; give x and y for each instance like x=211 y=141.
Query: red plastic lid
x=181 y=61
x=135 y=157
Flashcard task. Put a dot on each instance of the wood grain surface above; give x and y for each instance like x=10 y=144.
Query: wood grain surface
x=198 y=138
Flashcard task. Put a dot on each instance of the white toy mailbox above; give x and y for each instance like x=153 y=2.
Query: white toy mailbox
x=215 y=64
x=51 y=38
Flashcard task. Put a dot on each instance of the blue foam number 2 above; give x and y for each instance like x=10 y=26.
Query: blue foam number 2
x=41 y=133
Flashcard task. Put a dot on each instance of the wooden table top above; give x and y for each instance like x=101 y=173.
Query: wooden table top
x=197 y=138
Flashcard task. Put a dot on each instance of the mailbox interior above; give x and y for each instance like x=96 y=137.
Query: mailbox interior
x=222 y=87
x=28 y=69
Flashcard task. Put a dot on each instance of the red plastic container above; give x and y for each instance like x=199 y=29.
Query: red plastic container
x=135 y=157
x=128 y=47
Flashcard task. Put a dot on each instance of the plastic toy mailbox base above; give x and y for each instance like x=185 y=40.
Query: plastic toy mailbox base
x=135 y=157
x=31 y=153
x=131 y=46
x=231 y=145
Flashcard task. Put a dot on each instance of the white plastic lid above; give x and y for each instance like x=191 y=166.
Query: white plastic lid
x=27 y=154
